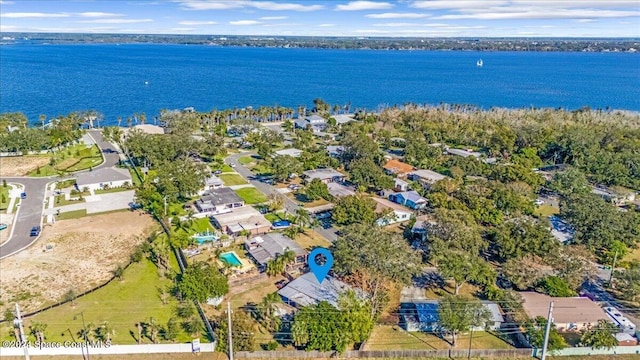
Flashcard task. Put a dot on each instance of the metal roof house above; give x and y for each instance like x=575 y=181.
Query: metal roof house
x=291 y=152
x=422 y=315
x=211 y=183
x=315 y=122
x=325 y=175
x=104 y=177
x=306 y=290
x=244 y=218
x=269 y=246
x=426 y=177
x=410 y=199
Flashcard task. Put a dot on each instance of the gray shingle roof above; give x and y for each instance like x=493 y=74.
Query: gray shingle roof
x=102 y=175
x=322 y=174
x=306 y=290
x=268 y=246
x=220 y=197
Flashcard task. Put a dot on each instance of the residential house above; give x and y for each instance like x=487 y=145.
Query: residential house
x=315 y=122
x=397 y=213
x=470 y=153
x=306 y=290
x=242 y=219
x=421 y=227
x=326 y=175
x=106 y=177
x=217 y=201
x=397 y=167
x=211 y=183
x=342 y=119
x=574 y=314
x=335 y=151
x=625 y=339
x=426 y=177
x=401 y=185
x=410 y=199
x=422 y=315
x=338 y=190
x=269 y=246
x=618 y=196
x=291 y=152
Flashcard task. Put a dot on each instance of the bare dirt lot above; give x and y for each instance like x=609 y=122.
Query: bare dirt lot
x=84 y=253
x=20 y=165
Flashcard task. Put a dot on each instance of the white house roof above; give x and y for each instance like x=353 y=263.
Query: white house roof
x=338 y=190
x=343 y=118
x=322 y=174
x=428 y=175
x=213 y=181
x=102 y=176
x=463 y=153
x=306 y=290
x=239 y=215
x=291 y=152
x=267 y=247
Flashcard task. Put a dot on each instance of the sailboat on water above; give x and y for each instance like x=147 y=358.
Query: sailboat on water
x=479 y=63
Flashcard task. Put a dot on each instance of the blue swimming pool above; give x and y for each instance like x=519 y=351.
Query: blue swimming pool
x=231 y=258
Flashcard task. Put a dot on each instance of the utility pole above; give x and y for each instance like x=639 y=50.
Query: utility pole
x=22 y=340
x=229 y=330
x=165 y=206
x=546 y=332
x=613 y=267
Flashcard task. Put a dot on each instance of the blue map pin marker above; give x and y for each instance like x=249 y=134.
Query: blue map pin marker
x=320 y=271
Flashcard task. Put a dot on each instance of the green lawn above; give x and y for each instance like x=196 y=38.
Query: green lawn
x=121 y=303
x=135 y=178
x=226 y=169
x=546 y=210
x=311 y=239
x=198 y=226
x=261 y=169
x=111 y=190
x=4 y=197
x=232 y=179
x=61 y=201
x=246 y=160
x=75 y=214
x=74 y=158
x=385 y=337
x=251 y=195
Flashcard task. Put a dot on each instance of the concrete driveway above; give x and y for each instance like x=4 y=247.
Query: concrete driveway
x=31 y=209
x=290 y=205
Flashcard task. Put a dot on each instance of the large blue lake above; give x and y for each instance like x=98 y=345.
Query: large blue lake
x=118 y=80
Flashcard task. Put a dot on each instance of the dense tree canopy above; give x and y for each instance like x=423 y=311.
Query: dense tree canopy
x=458 y=314
x=517 y=238
x=354 y=209
x=202 y=281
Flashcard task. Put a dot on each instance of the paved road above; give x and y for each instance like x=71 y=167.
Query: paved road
x=31 y=209
x=291 y=206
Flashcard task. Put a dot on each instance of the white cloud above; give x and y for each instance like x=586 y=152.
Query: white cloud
x=497 y=14
x=244 y=22
x=585 y=20
x=5 y=2
x=399 y=24
x=397 y=16
x=274 y=17
x=115 y=21
x=32 y=15
x=237 y=4
x=458 y=4
x=93 y=14
x=363 y=5
x=185 y=29
x=282 y=24
x=326 y=25
x=196 y=22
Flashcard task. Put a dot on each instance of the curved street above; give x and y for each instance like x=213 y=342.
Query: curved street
x=30 y=211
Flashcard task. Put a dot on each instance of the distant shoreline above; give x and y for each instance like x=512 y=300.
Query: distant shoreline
x=630 y=45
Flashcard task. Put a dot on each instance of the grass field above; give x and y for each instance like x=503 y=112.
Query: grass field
x=246 y=160
x=311 y=239
x=251 y=195
x=633 y=255
x=546 y=210
x=4 y=197
x=198 y=226
x=61 y=201
x=121 y=303
x=111 y=190
x=387 y=337
x=75 y=214
x=74 y=158
x=232 y=179
x=175 y=356
x=226 y=169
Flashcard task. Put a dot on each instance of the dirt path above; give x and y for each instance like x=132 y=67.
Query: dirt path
x=84 y=252
x=20 y=165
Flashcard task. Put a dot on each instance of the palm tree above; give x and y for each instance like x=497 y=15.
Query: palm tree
x=106 y=331
x=43 y=118
x=151 y=329
x=302 y=218
x=37 y=330
x=266 y=311
x=289 y=257
x=275 y=267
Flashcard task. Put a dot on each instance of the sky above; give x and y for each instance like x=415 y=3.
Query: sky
x=400 y=18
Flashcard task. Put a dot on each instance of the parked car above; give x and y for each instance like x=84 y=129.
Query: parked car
x=3 y=226
x=539 y=202
x=217 y=172
x=35 y=231
x=323 y=215
x=23 y=195
x=280 y=284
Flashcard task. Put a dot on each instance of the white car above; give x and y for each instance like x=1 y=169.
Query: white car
x=233 y=165
x=539 y=202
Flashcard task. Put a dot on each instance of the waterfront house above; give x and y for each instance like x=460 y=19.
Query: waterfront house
x=219 y=200
x=314 y=122
x=397 y=167
x=396 y=212
x=326 y=175
x=574 y=314
x=342 y=119
x=410 y=199
x=106 y=177
x=269 y=246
